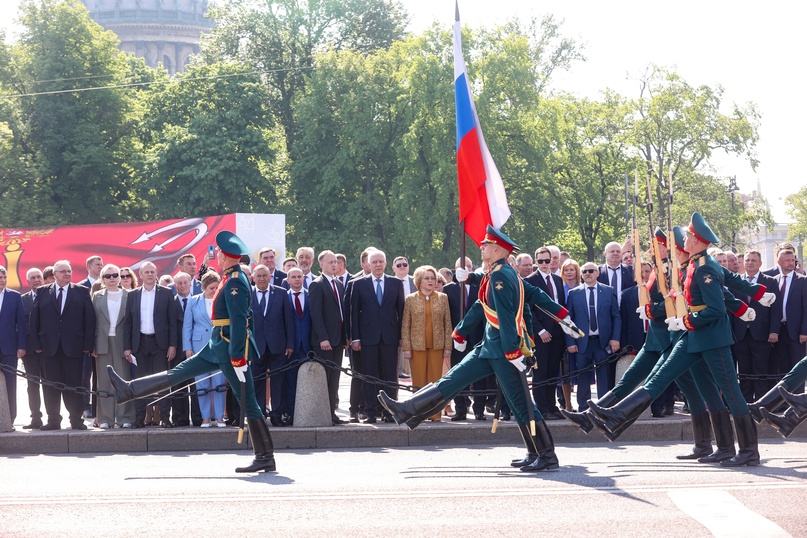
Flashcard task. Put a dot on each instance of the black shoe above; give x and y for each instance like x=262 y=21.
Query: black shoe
x=370 y=420
x=362 y=416
x=126 y=391
x=276 y=422
x=50 y=426
x=166 y=424
x=480 y=416
x=553 y=415
x=33 y=426
x=580 y=419
x=387 y=419
x=784 y=423
x=532 y=451
x=797 y=402
x=771 y=401
x=505 y=416
x=669 y=411
x=354 y=418
x=336 y=420
x=139 y=423
x=183 y=424
x=423 y=404
x=631 y=407
x=263 y=447
x=748 y=454
x=724 y=438
x=545 y=447
x=459 y=417
x=79 y=426
x=702 y=434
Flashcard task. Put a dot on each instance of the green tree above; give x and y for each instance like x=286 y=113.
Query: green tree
x=206 y=145
x=797 y=208
x=77 y=140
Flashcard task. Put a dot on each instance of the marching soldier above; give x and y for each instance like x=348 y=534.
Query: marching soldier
x=230 y=348
x=501 y=297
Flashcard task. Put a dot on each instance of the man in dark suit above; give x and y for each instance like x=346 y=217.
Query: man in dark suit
x=356 y=384
x=183 y=412
x=549 y=338
x=32 y=361
x=453 y=291
x=298 y=298
x=376 y=305
x=89 y=381
x=790 y=347
x=12 y=337
x=187 y=265
x=325 y=294
x=62 y=327
x=400 y=266
x=94 y=266
x=593 y=307
x=613 y=272
x=274 y=334
x=754 y=339
x=342 y=274
x=268 y=257
x=150 y=334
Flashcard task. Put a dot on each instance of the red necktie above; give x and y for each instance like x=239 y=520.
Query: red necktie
x=297 y=306
x=784 y=285
x=549 y=290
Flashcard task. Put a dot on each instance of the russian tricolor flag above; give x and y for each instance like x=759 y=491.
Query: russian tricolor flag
x=482 y=197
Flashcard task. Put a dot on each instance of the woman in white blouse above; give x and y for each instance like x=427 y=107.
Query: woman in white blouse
x=196 y=328
x=110 y=307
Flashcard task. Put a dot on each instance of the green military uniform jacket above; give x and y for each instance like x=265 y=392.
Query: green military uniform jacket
x=232 y=341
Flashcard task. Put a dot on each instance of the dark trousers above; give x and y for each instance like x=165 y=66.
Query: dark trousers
x=151 y=359
x=32 y=361
x=547 y=366
x=484 y=393
x=259 y=366
x=595 y=353
x=356 y=385
x=787 y=353
x=11 y=382
x=88 y=382
x=60 y=368
x=754 y=358
x=180 y=408
x=381 y=361
x=334 y=357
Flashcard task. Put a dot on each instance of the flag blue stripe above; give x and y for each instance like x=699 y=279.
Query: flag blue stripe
x=465 y=115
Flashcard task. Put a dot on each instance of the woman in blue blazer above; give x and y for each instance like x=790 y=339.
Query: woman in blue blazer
x=196 y=329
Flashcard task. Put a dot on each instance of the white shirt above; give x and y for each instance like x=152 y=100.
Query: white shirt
x=302 y=296
x=787 y=278
x=64 y=296
x=113 y=302
x=609 y=271
x=2 y=295
x=407 y=288
x=329 y=280
x=147 y=299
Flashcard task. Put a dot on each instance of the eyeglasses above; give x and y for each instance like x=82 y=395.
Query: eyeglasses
x=428 y=278
x=587 y=271
x=399 y=265
x=112 y=275
x=542 y=261
x=126 y=276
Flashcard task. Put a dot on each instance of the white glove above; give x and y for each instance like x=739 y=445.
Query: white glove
x=749 y=315
x=570 y=328
x=767 y=299
x=519 y=364
x=642 y=314
x=461 y=273
x=240 y=371
x=672 y=324
x=460 y=346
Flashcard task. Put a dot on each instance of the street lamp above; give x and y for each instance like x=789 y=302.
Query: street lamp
x=732 y=188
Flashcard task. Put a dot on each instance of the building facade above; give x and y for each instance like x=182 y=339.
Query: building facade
x=163 y=32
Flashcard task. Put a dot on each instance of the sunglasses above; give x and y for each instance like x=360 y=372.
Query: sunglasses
x=542 y=261
x=112 y=275
x=399 y=265
x=126 y=276
x=587 y=271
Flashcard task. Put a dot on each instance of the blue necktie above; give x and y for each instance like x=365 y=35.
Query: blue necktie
x=378 y=293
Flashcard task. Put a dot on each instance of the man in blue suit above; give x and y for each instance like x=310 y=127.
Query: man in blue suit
x=12 y=337
x=274 y=334
x=604 y=328
x=298 y=299
x=268 y=256
x=792 y=337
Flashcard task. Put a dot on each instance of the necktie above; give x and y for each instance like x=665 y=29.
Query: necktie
x=378 y=293
x=297 y=306
x=336 y=296
x=184 y=303
x=784 y=285
x=305 y=281
x=592 y=311
x=262 y=302
x=613 y=279
x=59 y=299
x=549 y=290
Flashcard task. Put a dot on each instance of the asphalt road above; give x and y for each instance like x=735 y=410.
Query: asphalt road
x=603 y=490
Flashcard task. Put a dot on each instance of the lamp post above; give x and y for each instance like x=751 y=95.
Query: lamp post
x=732 y=188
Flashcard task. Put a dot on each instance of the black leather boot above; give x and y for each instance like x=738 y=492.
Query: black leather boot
x=263 y=447
x=771 y=401
x=581 y=419
x=724 y=438
x=784 y=423
x=416 y=409
x=747 y=441
x=628 y=409
x=126 y=391
x=702 y=434
x=545 y=445
x=797 y=401
x=532 y=450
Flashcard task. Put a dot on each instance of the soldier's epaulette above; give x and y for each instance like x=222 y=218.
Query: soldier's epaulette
x=234 y=274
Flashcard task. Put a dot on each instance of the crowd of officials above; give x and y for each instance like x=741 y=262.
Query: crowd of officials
x=389 y=327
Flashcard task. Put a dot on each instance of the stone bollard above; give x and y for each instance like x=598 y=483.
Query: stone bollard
x=5 y=412
x=312 y=407
x=622 y=365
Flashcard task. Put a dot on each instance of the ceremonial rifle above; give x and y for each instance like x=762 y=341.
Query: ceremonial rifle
x=644 y=293
x=658 y=261
x=675 y=280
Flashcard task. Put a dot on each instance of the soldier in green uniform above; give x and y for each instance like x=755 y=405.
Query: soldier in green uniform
x=230 y=349
x=502 y=299
x=708 y=340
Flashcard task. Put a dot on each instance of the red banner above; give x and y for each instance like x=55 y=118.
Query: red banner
x=128 y=244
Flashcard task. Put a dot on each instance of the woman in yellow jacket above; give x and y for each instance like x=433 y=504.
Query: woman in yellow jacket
x=426 y=329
